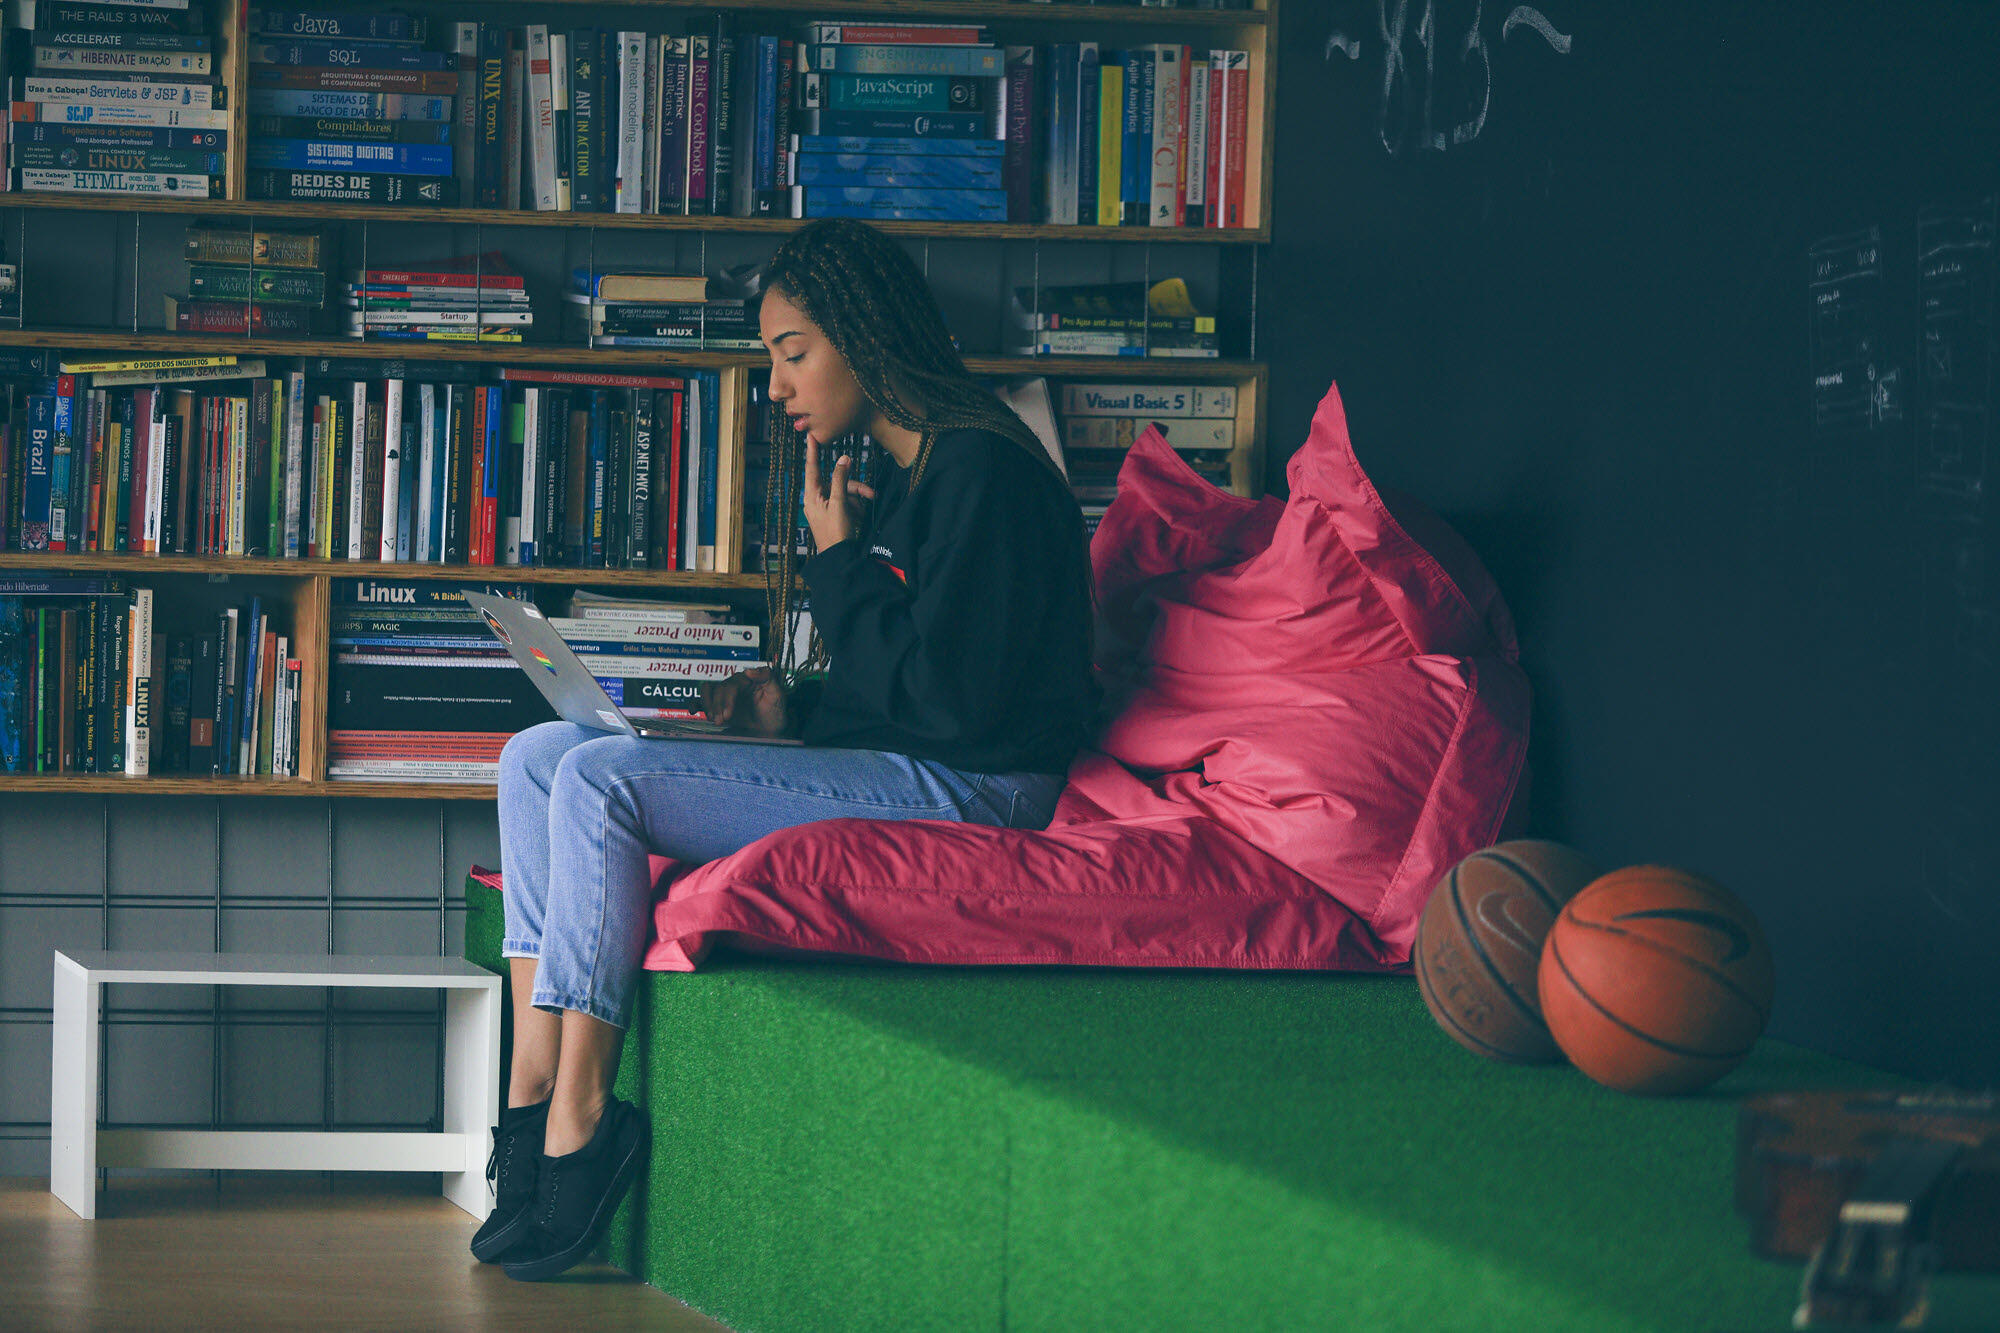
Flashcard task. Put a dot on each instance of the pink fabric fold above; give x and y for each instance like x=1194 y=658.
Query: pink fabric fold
x=1315 y=719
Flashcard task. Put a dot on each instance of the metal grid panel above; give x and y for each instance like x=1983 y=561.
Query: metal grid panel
x=233 y=875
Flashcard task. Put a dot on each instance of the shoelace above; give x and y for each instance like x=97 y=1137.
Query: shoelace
x=494 y=1162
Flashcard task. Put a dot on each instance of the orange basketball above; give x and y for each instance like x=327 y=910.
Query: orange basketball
x=1480 y=939
x=1656 y=980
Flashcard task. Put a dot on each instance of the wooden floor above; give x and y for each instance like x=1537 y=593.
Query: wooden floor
x=276 y=1252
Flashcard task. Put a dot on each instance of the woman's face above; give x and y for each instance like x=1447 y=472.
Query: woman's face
x=810 y=379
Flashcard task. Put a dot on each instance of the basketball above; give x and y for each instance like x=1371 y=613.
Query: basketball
x=1480 y=939
x=1655 y=980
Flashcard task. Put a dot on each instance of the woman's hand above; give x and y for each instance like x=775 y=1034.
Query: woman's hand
x=837 y=515
x=750 y=703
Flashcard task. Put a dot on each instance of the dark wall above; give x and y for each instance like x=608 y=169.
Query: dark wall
x=1762 y=644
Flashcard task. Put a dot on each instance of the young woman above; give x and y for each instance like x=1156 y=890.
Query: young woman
x=955 y=609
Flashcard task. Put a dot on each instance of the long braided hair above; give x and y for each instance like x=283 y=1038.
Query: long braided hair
x=874 y=305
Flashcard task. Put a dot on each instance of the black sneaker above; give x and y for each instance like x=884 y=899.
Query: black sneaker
x=512 y=1169
x=575 y=1194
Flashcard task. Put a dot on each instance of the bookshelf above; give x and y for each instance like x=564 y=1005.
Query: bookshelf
x=304 y=588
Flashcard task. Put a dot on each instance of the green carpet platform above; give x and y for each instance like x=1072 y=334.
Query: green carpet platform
x=848 y=1147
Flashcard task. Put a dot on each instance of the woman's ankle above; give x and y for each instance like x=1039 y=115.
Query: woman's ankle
x=529 y=1095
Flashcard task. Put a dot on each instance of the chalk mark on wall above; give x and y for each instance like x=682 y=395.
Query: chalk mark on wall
x=1413 y=83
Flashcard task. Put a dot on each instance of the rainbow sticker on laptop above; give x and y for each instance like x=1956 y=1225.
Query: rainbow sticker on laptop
x=543 y=658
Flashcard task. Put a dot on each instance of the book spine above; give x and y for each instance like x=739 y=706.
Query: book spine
x=276 y=50
x=721 y=118
x=890 y=171
x=35 y=516
x=704 y=428
x=407 y=82
x=457 y=516
x=541 y=119
x=62 y=453
x=67 y=159
x=353 y=187
x=117 y=756
x=627 y=185
x=1195 y=212
x=562 y=133
x=513 y=459
x=113 y=90
x=700 y=111
x=294 y=464
x=1165 y=176
x=960 y=60
x=326 y=102
x=1135 y=190
x=781 y=128
x=392 y=467
x=1235 y=113
x=583 y=119
x=639 y=501
x=890 y=92
x=331 y=25
x=598 y=444
x=1213 y=184
x=318 y=155
x=1018 y=168
x=121 y=182
x=960 y=205
x=529 y=542
x=407 y=493
x=266 y=522
x=1110 y=139
x=489 y=139
x=604 y=132
x=676 y=74
x=930 y=34
x=78 y=36
x=1065 y=65
x=65 y=59
x=240 y=453
x=57 y=137
x=425 y=547
x=492 y=435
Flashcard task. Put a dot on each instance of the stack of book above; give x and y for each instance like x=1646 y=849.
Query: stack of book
x=474 y=298
x=653 y=658
x=629 y=308
x=350 y=107
x=90 y=683
x=897 y=122
x=1151 y=136
x=1100 y=422
x=264 y=282
x=120 y=98
x=1110 y=319
x=419 y=689
x=65 y=664
x=126 y=454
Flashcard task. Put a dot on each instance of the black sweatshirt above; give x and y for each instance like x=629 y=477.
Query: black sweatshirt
x=958 y=620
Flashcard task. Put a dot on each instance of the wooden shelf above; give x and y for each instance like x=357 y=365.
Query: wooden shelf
x=171 y=785
x=279 y=211
x=952 y=11
x=1125 y=367
x=138 y=566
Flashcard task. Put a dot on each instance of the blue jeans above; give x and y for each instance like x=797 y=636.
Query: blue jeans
x=580 y=810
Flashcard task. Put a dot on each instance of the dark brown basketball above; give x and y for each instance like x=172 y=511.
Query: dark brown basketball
x=1481 y=937
x=1656 y=980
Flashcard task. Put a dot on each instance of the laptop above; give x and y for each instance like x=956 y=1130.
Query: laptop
x=570 y=688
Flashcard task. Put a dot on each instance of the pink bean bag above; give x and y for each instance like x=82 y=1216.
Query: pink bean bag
x=1319 y=709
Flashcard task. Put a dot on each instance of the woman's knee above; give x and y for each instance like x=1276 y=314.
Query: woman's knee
x=593 y=772
x=535 y=754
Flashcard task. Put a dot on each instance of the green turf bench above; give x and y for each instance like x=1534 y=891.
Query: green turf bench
x=850 y=1147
